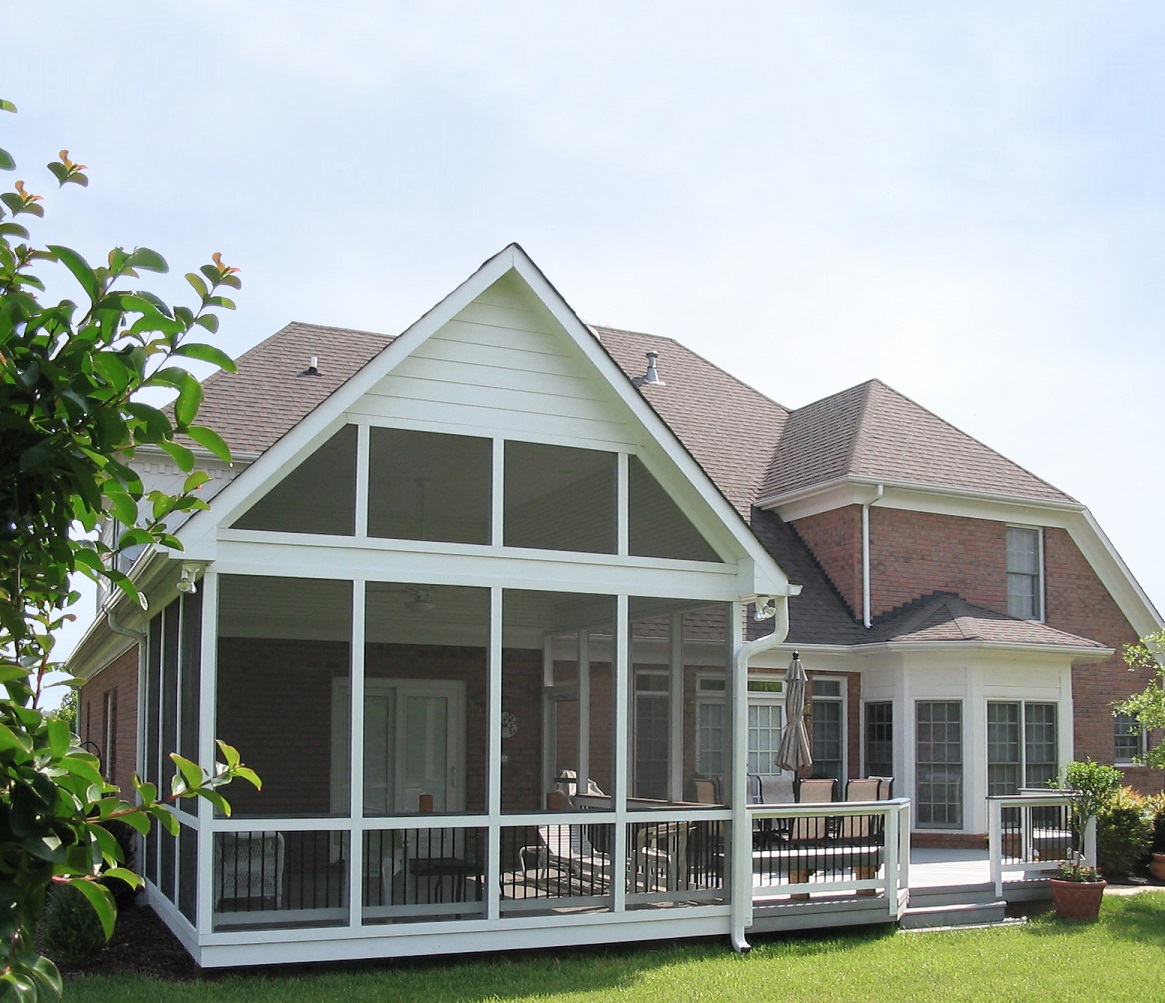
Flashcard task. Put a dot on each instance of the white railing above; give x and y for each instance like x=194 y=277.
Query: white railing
x=1037 y=833
x=832 y=847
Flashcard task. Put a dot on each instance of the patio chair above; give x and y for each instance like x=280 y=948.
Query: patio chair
x=813 y=791
x=885 y=787
x=706 y=790
x=661 y=856
x=568 y=848
x=249 y=866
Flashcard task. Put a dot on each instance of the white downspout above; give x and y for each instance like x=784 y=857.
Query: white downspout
x=776 y=608
x=866 y=554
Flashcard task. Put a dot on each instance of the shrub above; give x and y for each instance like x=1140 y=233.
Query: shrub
x=1124 y=832
x=70 y=929
x=1156 y=806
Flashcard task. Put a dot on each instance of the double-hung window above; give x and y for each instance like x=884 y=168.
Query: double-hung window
x=1128 y=739
x=1025 y=561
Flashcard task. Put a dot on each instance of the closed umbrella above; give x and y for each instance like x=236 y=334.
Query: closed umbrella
x=793 y=752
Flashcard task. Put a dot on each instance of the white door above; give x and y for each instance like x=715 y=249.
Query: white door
x=414 y=744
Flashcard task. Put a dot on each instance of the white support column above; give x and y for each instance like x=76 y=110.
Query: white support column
x=584 y=708
x=621 y=726
x=676 y=710
x=493 y=865
x=548 y=731
x=741 y=859
x=363 y=434
x=498 y=496
x=622 y=495
x=207 y=725
x=356 y=756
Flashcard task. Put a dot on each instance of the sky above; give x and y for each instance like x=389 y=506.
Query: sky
x=965 y=200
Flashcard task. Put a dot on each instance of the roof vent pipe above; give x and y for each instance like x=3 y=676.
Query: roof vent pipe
x=313 y=367
x=652 y=375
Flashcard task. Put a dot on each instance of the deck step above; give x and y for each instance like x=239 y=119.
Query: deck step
x=930 y=917
x=943 y=895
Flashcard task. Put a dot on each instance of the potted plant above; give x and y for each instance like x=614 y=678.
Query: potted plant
x=1090 y=787
x=1076 y=891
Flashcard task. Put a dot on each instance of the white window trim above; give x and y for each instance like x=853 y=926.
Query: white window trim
x=843 y=699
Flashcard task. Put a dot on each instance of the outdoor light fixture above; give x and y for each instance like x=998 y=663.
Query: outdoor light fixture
x=186 y=584
x=421 y=603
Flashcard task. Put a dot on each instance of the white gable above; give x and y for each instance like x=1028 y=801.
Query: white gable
x=502 y=364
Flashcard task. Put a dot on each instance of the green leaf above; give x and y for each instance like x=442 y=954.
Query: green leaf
x=206 y=353
x=208 y=321
x=123 y=874
x=210 y=440
x=198 y=284
x=189 y=399
x=157 y=424
x=80 y=268
x=229 y=753
x=191 y=772
x=59 y=737
x=6 y=105
x=151 y=261
x=46 y=973
x=6 y=161
x=102 y=901
x=179 y=454
x=123 y=507
x=195 y=481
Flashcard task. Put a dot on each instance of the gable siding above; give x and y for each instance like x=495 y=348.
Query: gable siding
x=500 y=365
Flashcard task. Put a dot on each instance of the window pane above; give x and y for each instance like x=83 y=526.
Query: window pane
x=939 y=791
x=827 y=737
x=1023 y=573
x=557 y=498
x=1040 y=744
x=318 y=496
x=880 y=739
x=1128 y=742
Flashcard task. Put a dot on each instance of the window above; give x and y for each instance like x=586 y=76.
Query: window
x=939 y=757
x=1128 y=739
x=827 y=728
x=1021 y=746
x=766 y=703
x=1025 y=558
x=109 y=734
x=652 y=731
x=880 y=739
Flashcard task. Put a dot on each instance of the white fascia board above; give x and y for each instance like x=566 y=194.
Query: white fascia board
x=913 y=498
x=840 y=654
x=197 y=535
x=769 y=577
x=1125 y=590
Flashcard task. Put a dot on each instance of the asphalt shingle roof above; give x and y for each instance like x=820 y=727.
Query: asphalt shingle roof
x=873 y=432
x=945 y=616
x=749 y=445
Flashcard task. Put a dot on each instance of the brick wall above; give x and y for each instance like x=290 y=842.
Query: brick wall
x=1077 y=602
x=915 y=553
x=835 y=537
x=121 y=675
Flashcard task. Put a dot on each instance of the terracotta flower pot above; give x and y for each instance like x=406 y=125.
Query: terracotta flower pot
x=1077 y=900
x=1157 y=866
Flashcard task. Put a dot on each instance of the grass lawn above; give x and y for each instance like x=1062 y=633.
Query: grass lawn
x=1122 y=957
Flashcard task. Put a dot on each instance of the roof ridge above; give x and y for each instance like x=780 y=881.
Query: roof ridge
x=967 y=435
x=860 y=428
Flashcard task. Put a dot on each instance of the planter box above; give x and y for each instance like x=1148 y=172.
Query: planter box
x=1077 y=900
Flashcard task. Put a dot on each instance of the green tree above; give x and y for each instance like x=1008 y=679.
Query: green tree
x=71 y=418
x=1147 y=708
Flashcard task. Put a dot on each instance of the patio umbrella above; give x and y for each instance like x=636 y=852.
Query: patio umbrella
x=793 y=752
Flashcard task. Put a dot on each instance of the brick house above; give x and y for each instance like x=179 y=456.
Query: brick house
x=452 y=570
